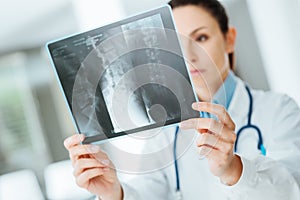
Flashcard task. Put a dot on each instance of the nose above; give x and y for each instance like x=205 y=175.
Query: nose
x=190 y=53
x=193 y=60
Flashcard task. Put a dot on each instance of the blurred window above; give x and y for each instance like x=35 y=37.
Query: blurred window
x=21 y=137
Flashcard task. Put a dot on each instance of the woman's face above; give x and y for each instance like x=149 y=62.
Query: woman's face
x=206 y=48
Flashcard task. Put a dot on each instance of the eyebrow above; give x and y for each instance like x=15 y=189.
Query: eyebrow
x=197 y=29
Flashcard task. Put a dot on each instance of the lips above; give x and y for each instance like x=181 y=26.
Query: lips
x=197 y=71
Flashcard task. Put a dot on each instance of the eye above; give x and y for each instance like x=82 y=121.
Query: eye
x=202 y=38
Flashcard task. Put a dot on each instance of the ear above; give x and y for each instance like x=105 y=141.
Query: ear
x=230 y=40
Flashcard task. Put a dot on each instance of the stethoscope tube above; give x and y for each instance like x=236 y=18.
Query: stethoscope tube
x=260 y=144
x=178 y=193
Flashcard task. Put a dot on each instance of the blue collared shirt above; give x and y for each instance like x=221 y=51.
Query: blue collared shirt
x=225 y=93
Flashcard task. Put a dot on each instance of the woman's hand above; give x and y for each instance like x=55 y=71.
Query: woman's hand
x=92 y=169
x=217 y=141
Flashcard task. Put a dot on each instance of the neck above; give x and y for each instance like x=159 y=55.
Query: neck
x=207 y=93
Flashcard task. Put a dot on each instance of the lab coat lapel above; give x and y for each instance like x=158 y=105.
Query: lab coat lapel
x=238 y=110
x=239 y=105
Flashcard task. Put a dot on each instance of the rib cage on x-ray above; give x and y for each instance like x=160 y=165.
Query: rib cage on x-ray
x=149 y=33
x=137 y=35
x=140 y=40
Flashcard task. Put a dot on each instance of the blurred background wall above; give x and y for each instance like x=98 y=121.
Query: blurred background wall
x=33 y=116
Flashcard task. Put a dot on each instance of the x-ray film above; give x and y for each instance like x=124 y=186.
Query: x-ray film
x=125 y=77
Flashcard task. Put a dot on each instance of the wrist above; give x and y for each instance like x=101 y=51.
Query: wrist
x=117 y=193
x=120 y=194
x=232 y=175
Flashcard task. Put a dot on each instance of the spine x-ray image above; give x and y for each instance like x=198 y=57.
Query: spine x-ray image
x=124 y=79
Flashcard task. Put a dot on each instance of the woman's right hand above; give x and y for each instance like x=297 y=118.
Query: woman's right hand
x=92 y=169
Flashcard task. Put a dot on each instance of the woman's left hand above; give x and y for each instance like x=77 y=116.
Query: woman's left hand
x=217 y=141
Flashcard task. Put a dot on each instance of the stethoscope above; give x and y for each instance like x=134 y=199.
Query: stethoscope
x=260 y=144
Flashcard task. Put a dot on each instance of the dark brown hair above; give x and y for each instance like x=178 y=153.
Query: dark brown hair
x=215 y=9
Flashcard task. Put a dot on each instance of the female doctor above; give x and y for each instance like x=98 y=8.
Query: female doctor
x=251 y=146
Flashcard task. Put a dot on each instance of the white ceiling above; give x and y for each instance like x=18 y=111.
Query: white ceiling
x=23 y=23
x=15 y=13
x=31 y=23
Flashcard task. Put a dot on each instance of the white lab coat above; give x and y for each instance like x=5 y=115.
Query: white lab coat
x=275 y=176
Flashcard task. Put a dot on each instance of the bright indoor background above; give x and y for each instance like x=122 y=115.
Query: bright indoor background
x=33 y=116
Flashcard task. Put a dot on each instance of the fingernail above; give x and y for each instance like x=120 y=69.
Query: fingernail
x=68 y=140
x=105 y=162
x=202 y=151
x=195 y=105
x=94 y=149
x=81 y=137
x=183 y=124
